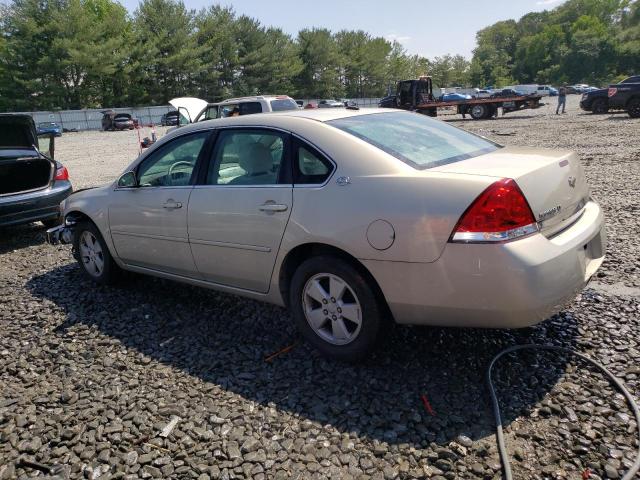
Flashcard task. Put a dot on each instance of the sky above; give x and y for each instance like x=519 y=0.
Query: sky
x=426 y=27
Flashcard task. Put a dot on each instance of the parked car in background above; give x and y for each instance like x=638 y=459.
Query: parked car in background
x=300 y=103
x=193 y=110
x=598 y=101
x=483 y=93
x=626 y=96
x=170 y=119
x=32 y=183
x=330 y=104
x=407 y=218
x=595 y=101
x=49 y=127
x=454 y=96
x=506 y=92
x=117 y=121
x=553 y=92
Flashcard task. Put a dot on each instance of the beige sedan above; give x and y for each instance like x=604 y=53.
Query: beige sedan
x=350 y=219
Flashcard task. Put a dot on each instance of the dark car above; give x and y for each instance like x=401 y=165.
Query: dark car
x=49 y=127
x=595 y=101
x=330 y=104
x=170 y=119
x=598 y=101
x=626 y=96
x=117 y=121
x=507 y=92
x=32 y=183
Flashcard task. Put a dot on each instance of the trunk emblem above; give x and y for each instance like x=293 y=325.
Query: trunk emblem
x=549 y=213
x=572 y=182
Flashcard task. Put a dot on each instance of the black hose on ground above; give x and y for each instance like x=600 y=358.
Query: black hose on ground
x=504 y=457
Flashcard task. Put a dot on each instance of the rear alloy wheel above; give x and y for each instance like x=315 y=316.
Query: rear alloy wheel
x=335 y=308
x=633 y=108
x=600 y=106
x=93 y=255
x=478 y=112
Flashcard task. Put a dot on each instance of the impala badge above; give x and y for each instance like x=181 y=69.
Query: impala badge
x=572 y=182
x=549 y=213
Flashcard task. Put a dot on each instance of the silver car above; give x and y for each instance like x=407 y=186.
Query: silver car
x=350 y=219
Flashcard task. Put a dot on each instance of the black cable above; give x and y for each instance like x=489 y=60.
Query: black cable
x=504 y=457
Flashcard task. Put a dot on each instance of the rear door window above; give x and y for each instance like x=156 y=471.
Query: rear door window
x=283 y=104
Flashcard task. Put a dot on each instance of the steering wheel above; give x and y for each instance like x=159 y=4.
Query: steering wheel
x=173 y=175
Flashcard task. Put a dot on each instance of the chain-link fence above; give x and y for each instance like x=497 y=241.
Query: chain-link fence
x=91 y=119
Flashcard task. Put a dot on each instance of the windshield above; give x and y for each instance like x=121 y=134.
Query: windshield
x=415 y=139
x=282 y=104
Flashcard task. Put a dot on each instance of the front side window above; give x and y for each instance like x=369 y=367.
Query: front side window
x=229 y=110
x=247 y=157
x=210 y=113
x=172 y=165
x=416 y=139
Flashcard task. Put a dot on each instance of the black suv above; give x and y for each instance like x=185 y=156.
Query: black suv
x=598 y=102
x=626 y=96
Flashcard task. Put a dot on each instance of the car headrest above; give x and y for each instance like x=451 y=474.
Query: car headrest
x=255 y=158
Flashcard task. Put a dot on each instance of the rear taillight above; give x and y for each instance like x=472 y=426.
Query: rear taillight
x=611 y=92
x=499 y=213
x=61 y=173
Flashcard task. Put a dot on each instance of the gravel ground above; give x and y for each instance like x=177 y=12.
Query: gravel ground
x=91 y=376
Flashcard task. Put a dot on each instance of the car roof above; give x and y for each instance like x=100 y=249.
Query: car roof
x=255 y=98
x=274 y=119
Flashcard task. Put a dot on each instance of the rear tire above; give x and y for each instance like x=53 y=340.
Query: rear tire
x=335 y=308
x=600 y=106
x=633 y=108
x=93 y=255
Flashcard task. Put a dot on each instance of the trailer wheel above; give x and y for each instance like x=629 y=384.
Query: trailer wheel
x=478 y=112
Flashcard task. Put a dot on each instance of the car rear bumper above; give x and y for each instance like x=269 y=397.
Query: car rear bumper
x=510 y=285
x=34 y=206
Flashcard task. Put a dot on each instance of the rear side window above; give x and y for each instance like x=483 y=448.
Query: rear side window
x=416 y=139
x=283 y=104
x=250 y=107
x=309 y=166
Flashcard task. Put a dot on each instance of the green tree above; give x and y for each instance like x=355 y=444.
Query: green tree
x=320 y=74
x=169 y=56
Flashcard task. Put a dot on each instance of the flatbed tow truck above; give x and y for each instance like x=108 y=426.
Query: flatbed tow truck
x=417 y=96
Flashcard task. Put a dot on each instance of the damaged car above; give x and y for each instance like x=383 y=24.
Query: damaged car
x=32 y=183
x=350 y=219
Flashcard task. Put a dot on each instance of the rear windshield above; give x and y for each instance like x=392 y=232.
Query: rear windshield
x=283 y=104
x=416 y=139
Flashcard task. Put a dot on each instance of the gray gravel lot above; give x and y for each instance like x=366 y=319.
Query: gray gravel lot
x=90 y=376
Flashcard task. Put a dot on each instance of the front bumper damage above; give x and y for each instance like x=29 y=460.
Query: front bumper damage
x=62 y=234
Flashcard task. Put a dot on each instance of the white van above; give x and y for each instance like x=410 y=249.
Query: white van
x=532 y=89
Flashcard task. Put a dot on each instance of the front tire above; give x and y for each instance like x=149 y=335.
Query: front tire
x=93 y=255
x=600 y=106
x=633 y=109
x=335 y=308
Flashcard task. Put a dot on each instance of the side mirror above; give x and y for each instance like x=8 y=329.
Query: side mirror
x=183 y=118
x=128 y=180
x=50 y=150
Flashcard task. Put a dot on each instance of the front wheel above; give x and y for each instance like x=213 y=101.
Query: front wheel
x=335 y=308
x=600 y=106
x=633 y=109
x=93 y=255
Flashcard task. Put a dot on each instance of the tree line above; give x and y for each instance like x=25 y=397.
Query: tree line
x=63 y=54
x=590 y=41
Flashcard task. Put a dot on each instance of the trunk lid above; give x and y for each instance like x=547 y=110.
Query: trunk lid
x=552 y=181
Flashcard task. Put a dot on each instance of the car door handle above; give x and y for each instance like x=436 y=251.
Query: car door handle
x=171 y=205
x=273 y=207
